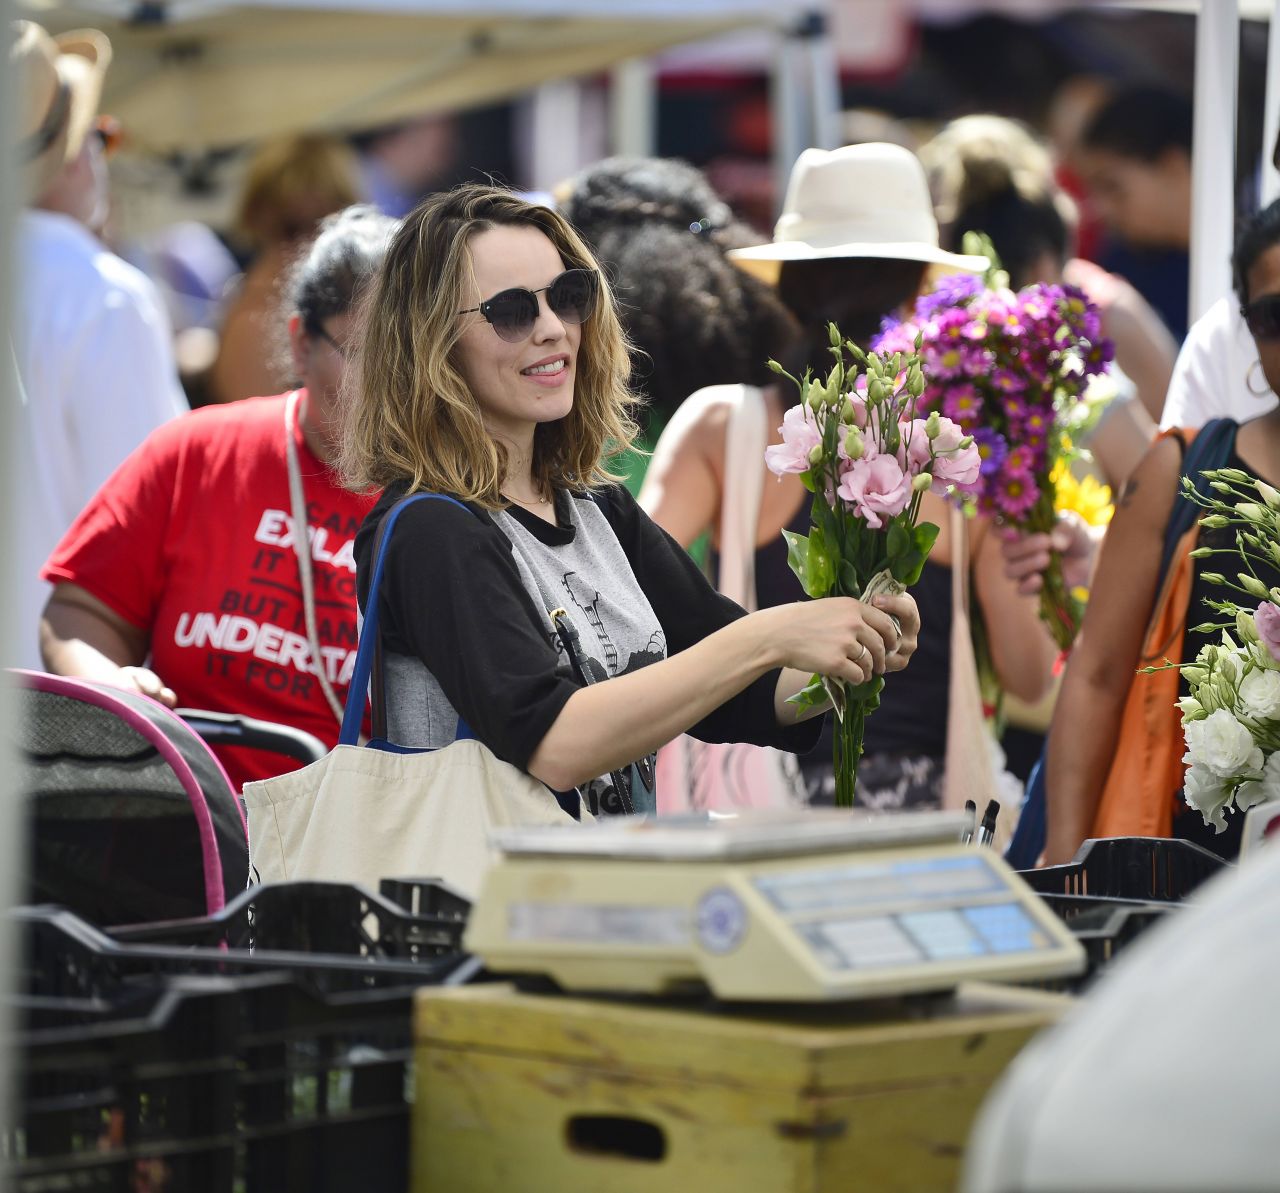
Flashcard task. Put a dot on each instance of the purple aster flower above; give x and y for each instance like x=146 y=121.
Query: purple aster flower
x=954 y=290
x=949 y=326
x=950 y=359
x=991 y=448
x=1021 y=458
x=1015 y=491
x=1097 y=359
x=1004 y=313
x=1007 y=381
x=1079 y=313
x=1036 y=423
x=895 y=336
x=962 y=404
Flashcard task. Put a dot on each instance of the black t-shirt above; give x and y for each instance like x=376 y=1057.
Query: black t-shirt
x=465 y=609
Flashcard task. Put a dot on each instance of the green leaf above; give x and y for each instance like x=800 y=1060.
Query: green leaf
x=926 y=534
x=810 y=561
x=906 y=568
x=849 y=585
x=812 y=695
x=900 y=540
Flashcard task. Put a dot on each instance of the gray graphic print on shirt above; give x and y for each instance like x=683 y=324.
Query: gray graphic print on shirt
x=591 y=579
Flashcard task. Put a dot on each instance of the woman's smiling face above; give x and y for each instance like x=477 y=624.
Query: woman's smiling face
x=519 y=385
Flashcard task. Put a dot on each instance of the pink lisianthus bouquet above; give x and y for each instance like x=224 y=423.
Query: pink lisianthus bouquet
x=1011 y=370
x=860 y=446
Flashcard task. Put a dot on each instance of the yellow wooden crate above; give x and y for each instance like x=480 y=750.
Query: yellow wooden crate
x=520 y=1092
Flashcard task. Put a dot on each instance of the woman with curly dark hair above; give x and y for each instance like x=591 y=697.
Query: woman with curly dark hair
x=693 y=319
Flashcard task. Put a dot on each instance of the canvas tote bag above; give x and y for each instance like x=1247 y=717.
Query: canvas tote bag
x=695 y=776
x=971 y=756
x=363 y=813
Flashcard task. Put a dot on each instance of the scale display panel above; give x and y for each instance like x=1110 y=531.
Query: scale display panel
x=766 y=910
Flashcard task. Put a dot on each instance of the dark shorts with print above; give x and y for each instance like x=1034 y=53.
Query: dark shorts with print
x=886 y=783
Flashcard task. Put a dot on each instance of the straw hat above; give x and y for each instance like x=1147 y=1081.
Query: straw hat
x=58 y=85
x=859 y=201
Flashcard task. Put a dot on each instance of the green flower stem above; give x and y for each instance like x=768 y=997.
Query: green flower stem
x=848 y=748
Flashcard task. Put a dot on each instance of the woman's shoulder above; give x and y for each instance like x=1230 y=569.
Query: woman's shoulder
x=429 y=522
x=700 y=424
x=705 y=412
x=1150 y=492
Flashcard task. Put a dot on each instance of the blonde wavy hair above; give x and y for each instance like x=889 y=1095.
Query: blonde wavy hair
x=409 y=415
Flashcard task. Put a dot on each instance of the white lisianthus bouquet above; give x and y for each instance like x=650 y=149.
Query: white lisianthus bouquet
x=857 y=443
x=1231 y=716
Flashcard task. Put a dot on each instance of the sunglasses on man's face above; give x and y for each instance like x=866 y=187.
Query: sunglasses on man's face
x=1263 y=317
x=512 y=314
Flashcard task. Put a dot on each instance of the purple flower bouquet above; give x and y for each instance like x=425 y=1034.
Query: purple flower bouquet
x=1009 y=369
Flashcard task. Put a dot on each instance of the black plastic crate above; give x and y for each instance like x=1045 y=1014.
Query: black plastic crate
x=314 y=1056
x=1140 y=868
x=409 y=920
x=65 y=957
x=144 y=1098
x=1105 y=926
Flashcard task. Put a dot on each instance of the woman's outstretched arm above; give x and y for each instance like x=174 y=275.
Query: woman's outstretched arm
x=1085 y=729
x=607 y=725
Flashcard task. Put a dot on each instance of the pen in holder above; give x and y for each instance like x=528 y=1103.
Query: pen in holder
x=987 y=830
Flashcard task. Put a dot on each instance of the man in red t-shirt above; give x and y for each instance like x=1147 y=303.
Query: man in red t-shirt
x=186 y=577
x=191 y=545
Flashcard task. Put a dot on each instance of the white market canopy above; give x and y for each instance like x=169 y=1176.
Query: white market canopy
x=207 y=73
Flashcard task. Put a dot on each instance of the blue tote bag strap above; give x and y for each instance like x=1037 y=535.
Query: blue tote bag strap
x=358 y=692
x=1210 y=449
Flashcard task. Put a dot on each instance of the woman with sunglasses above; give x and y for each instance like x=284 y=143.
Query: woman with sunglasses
x=541 y=607
x=188 y=576
x=1083 y=740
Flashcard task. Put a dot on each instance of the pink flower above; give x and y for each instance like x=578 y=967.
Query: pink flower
x=1267 y=619
x=953 y=464
x=875 y=485
x=1016 y=492
x=800 y=435
x=916 y=455
x=962 y=403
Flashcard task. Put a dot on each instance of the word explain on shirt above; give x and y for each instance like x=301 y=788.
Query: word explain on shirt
x=257 y=634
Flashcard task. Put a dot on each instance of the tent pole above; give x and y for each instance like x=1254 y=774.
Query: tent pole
x=787 y=94
x=557 y=133
x=1213 y=144
x=633 y=109
x=13 y=862
x=824 y=84
x=1268 y=175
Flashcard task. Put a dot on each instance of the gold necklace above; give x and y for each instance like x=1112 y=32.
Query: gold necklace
x=532 y=501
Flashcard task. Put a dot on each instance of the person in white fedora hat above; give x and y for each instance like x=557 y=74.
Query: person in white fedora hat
x=856 y=241
x=862 y=202
x=91 y=337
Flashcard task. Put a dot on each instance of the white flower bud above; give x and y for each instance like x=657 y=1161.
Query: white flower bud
x=1269 y=495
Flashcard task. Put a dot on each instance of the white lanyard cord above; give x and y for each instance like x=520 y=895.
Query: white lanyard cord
x=302 y=549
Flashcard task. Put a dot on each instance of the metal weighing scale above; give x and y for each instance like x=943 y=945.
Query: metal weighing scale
x=818 y=907
x=807 y=1071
